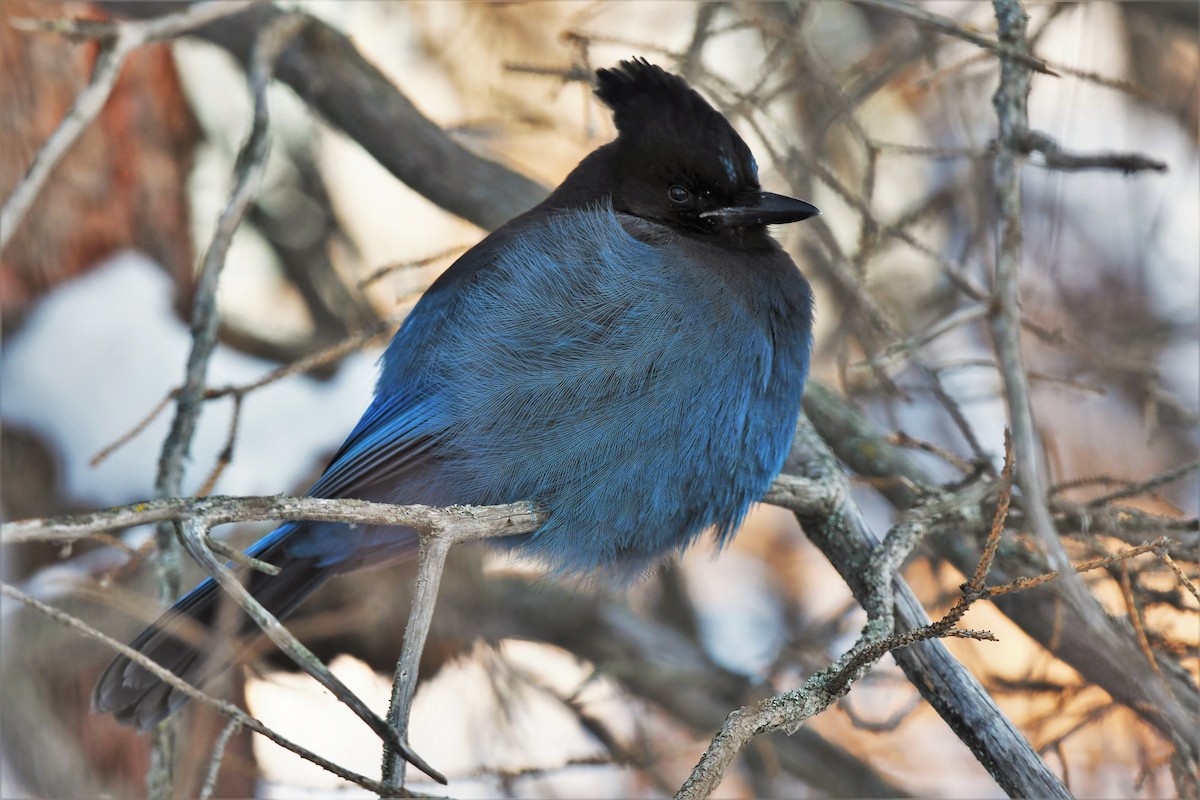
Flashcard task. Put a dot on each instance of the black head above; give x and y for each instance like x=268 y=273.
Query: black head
x=677 y=161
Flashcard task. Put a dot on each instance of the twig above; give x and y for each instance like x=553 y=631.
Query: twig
x=129 y=435
x=572 y=74
x=248 y=172
x=320 y=358
x=388 y=269
x=702 y=31
x=1121 y=85
x=1109 y=658
x=1034 y=375
x=195 y=533
x=841 y=533
x=83 y=111
x=1010 y=102
x=1023 y=584
x=404 y=683
x=1183 y=579
x=1144 y=486
x=1055 y=157
x=998 y=519
x=923 y=151
x=218 y=755
x=952 y=27
x=894 y=352
x=329 y=74
x=1135 y=616
x=182 y=686
x=902 y=439
x=116 y=42
x=790 y=710
x=225 y=457
x=251 y=163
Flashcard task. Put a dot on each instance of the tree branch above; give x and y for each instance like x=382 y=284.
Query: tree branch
x=333 y=78
x=195 y=534
x=846 y=540
x=180 y=685
x=460 y=522
x=952 y=27
x=116 y=42
x=1110 y=660
x=1055 y=157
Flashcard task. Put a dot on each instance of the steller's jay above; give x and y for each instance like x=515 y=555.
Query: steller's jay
x=629 y=354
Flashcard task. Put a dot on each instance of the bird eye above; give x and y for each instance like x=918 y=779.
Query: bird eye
x=678 y=194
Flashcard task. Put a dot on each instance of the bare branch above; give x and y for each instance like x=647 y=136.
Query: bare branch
x=1055 y=157
x=117 y=41
x=790 y=710
x=182 y=686
x=461 y=522
x=1147 y=485
x=404 y=684
x=844 y=538
x=330 y=75
x=218 y=755
x=194 y=534
x=952 y=27
x=248 y=172
x=1108 y=660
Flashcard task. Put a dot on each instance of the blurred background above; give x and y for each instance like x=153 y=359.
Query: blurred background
x=535 y=689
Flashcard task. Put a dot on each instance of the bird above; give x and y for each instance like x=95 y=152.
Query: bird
x=629 y=355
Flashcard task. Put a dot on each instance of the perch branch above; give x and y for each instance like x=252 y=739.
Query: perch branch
x=466 y=522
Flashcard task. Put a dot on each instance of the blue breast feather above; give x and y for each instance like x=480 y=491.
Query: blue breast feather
x=638 y=398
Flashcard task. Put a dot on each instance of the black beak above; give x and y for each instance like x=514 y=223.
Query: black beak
x=761 y=208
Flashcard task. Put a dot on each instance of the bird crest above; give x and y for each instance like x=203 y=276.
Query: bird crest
x=659 y=112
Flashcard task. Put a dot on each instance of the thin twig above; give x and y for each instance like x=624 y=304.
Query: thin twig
x=998 y=520
x=182 y=686
x=388 y=269
x=1055 y=157
x=225 y=457
x=902 y=439
x=87 y=106
x=953 y=27
x=251 y=164
x=116 y=41
x=1183 y=579
x=132 y=433
x=195 y=533
x=248 y=172
x=218 y=755
x=1023 y=584
x=1135 y=616
x=1010 y=102
x=1154 y=482
x=963 y=316
x=326 y=355
x=790 y=710
x=404 y=683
